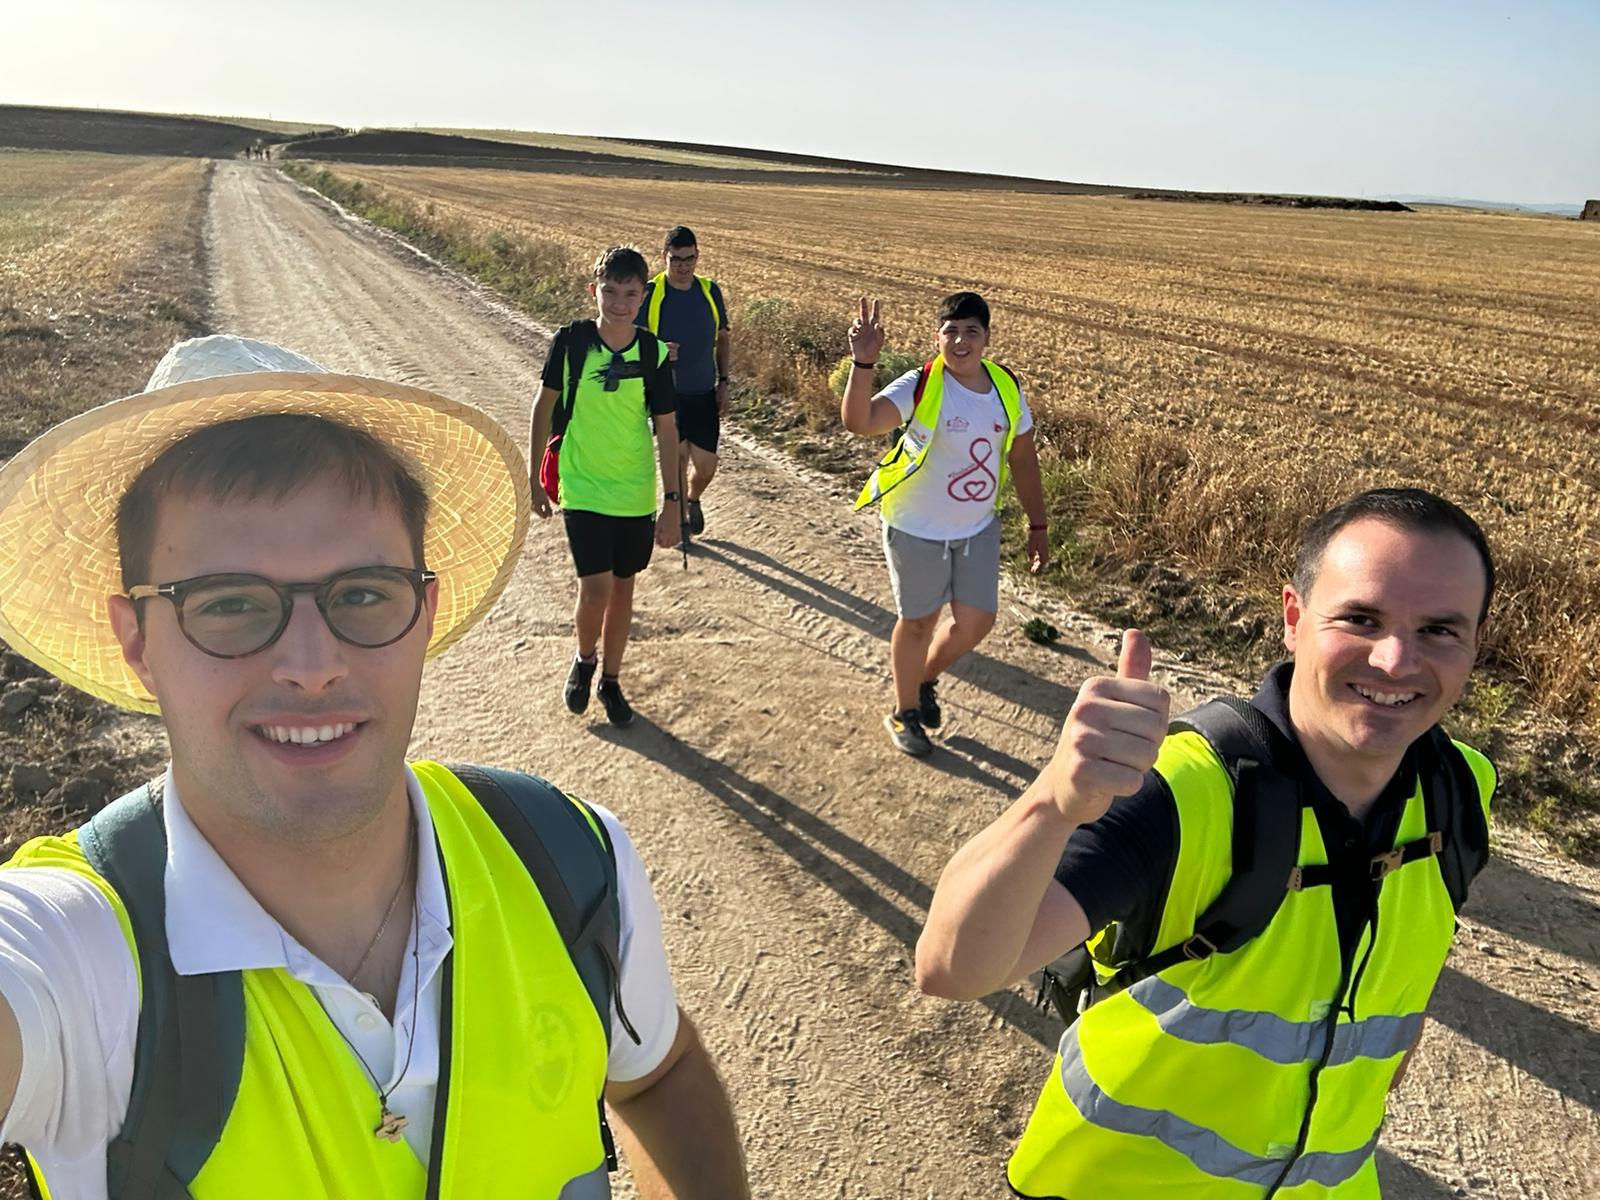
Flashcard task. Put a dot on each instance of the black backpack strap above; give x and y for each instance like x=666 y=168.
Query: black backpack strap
x=574 y=870
x=580 y=337
x=1267 y=803
x=189 y=1049
x=1457 y=829
x=650 y=363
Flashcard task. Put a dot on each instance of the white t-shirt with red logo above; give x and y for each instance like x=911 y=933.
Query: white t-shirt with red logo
x=952 y=495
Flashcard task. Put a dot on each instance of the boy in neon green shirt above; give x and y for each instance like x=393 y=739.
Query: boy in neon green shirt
x=605 y=413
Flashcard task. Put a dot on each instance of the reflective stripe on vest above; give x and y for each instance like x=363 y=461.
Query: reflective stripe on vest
x=658 y=292
x=1197 y=1081
x=527 y=1052
x=905 y=459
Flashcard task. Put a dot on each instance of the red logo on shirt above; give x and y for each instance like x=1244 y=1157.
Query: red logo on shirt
x=976 y=483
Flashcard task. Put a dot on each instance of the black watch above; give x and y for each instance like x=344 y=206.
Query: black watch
x=669 y=495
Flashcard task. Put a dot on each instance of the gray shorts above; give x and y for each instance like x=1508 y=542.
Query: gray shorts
x=927 y=575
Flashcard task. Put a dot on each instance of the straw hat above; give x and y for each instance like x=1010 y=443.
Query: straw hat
x=59 y=496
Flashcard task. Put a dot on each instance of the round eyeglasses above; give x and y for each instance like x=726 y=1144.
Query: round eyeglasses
x=233 y=616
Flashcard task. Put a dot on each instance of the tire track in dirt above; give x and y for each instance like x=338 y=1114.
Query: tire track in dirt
x=792 y=849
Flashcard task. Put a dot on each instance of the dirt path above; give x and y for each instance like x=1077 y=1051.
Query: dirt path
x=794 y=851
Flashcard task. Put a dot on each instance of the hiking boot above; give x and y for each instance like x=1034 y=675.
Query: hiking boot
x=579 y=678
x=618 y=711
x=905 y=731
x=697 y=518
x=928 y=705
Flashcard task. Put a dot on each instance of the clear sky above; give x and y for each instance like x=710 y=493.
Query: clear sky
x=1489 y=101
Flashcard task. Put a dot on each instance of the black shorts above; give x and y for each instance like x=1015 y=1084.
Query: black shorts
x=699 y=421
x=599 y=543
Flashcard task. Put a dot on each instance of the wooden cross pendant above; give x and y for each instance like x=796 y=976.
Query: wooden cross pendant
x=391 y=1125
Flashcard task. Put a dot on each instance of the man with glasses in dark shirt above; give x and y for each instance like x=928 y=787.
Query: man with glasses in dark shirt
x=688 y=312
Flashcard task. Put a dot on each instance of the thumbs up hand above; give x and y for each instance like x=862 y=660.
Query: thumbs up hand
x=1111 y=737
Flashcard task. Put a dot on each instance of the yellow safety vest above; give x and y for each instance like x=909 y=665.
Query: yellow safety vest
x=658 y=291
x=526 y=1051
x=912 y=446
x=1204 y=1080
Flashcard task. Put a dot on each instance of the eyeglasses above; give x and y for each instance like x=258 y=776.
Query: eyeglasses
x=234 y=616
x=683 y=258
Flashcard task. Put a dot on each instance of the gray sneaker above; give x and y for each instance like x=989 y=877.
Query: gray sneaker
x=905 y=731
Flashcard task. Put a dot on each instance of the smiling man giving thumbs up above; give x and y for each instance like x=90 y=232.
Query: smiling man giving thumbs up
x=1247 y=910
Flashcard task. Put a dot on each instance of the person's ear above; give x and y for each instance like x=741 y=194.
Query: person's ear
x=129 y=631
x=1293 y=609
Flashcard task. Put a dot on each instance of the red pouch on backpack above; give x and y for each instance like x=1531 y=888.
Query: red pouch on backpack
x=550 y=470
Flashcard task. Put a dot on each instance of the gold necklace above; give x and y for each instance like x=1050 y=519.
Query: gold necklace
x=388 y=914
x=391 y=1124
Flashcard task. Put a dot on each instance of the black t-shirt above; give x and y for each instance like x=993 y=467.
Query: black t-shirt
x=1120 y=867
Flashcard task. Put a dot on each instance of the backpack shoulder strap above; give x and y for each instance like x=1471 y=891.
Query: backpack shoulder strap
x=565 y=849
x=922 y=385
x=189 y=1049
x=580 y=337
x=650 y=362
x=1266 y=836
x=709 y=286
x=1454 y=808
x=1012 y=375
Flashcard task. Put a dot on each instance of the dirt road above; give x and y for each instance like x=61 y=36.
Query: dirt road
x=794 y=851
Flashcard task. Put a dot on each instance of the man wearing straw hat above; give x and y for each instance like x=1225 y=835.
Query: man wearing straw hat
x=295 y=965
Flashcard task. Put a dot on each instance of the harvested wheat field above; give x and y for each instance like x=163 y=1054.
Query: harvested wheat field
x=99 y=273
x=1206 y=376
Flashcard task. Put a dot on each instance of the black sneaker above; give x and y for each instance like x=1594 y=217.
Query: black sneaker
x=928 y=705
x=905 y=731
x=576 y=692
x=618 y=711
x=697 y=518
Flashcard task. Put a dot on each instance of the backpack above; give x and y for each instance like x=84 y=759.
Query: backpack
x=189 y=1052
x=581 y=338
x=1267 y=803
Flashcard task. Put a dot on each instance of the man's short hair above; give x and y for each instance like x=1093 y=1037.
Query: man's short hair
x=266 y=457
x=962 y=305
x=1411 y=509
x=678 y=237
x=618 y=264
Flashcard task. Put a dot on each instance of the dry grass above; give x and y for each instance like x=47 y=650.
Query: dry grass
x=1229 y=369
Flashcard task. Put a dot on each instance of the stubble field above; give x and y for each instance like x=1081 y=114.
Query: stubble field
x=99 y=274
x=1206 y=375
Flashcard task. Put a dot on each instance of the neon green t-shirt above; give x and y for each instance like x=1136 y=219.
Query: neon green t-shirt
x=608 y=454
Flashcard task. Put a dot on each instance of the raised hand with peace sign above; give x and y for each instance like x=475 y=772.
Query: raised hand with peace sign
x=860 y=411
x=867 y=334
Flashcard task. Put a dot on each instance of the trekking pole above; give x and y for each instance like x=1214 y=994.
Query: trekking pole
x=683 y=506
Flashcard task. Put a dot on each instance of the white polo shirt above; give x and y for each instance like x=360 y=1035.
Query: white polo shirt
x=67 y=974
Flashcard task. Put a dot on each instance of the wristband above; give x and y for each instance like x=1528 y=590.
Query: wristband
x=1038 y=528
x=856 y=362
x=722 y=379
x=669 y=495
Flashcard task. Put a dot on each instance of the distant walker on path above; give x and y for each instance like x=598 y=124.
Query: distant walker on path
x=688 y=312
